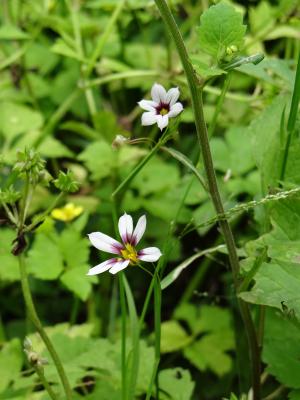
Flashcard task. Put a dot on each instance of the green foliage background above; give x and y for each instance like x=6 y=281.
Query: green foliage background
x=71 y=74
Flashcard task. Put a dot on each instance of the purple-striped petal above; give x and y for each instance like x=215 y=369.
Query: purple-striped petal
x=149 y=254
x=158 y=93
x=119 y=266
x=139 y=230
x=148 y=105
x=172 y=96
x=105 y=243
x=126 y=228
x=105 y=266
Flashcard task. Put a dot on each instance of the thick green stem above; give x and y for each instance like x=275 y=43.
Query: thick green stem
x=292 y=120
x=38 y=325
x=202 y=135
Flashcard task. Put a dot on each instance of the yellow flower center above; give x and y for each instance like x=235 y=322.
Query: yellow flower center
x=163 y=111
x=129 y=253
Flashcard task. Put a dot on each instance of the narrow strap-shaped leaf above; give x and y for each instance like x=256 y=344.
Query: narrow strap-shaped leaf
x=186 y=162
x=173 y=275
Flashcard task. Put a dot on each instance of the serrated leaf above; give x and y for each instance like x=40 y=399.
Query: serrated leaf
x=209 y=353
x=99 y=158
x=9 y=266
x=16 y=118
x=276 y=285
x=76 y=281
x=11 y=360
x=45 y=260
x=74 y=248
x=176 y=384
x=173 y=337
x=221 y=26
x=281 y=350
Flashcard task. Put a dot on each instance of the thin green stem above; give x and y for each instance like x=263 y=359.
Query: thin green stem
x=105 y=35
x=157 y=333
x=137 y=169
x=41 y=217
x=123 y=344
x=38 y=325
x=220 y=102
x=57 y=115
x=45 y=383
x=202 y=135
x=121 y=75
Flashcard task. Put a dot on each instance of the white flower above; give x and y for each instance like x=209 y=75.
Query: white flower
x=162 y=106
x=126 y=251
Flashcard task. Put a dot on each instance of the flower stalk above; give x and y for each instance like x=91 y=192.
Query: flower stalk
x=196 y=96
x=39 y=327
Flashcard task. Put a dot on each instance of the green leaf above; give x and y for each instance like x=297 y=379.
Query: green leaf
x=173 y=337
x=74 y=248
x=264 y=131
x=209 y=353
x=62 y=48
x=276 y=285
x=11 y=32
x=11 y=360
x=16 y=118
x=294 y=395
x=156 y=176
x=45 y=260
x=9 y=266
x=173 y=275
x=77 y=282
x=176 y=384
x=281 y=350
x=99 y=158
x=221 y=26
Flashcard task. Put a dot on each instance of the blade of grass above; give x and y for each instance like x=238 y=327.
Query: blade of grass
x=133 y=357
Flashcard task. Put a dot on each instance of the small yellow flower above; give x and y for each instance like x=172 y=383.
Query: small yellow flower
x=67 y=213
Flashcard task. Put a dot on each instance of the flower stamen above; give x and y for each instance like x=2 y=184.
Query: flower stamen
x=129 y=253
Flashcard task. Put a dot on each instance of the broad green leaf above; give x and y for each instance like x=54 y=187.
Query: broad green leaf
x=176 y=384
x=281 y=350
x=16 y=118
x=210 y=353
x=173 y=337
x=45 y=260
x=204 y=70
x=76 y=281
x=11 y=32
x=9 y=266
x=294 y=395
x=74 y=248
x=156 y=176
x=221 y=26
x=276 y=285
x=264 y=131
x=99 y=158
x=11 y=360
x=205 y=318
